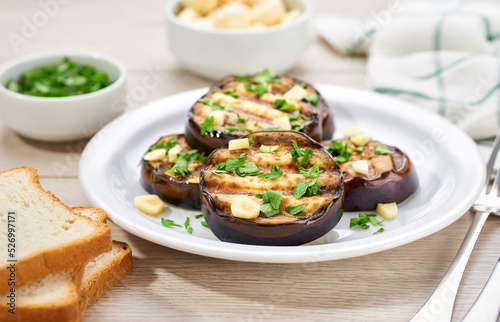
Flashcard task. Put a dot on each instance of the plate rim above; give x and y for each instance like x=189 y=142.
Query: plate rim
x=287 y=254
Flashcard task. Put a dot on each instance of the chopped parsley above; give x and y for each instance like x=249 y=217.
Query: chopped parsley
x=169 y=223
x=198 y=216
x=265 y=76
x=312 y=172
x=275 y=173
x=259 y=89
x=359 y=148
x=216 y=107
x=282 y=105
x=242 y=119
x=296 y=115
x=268 y=148
x=296 y=209
x=181 y=167
x=249 y=169
x=339 y=152
x=312 y=98
x=230 y=91
x=381 y=150
x=187 y=225
x=204 y=223
x=242 y=78
x=192 y=155
x=297 y=153
x=297 y=126
x=256 y=123
x=364 y=221
x=227 y=107
x=271 y=202
x=251 y=140
x=162 y=145
x=381 y=230
x=237 y=129
x=269 y=129
x=303 y=187
x=207 y=126
x=304 y=85
x=237 y=166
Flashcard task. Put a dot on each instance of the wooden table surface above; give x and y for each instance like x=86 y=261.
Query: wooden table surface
x=390 y=285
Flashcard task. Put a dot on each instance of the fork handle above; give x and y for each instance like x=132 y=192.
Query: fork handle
x=487 y=305
x=439 y=307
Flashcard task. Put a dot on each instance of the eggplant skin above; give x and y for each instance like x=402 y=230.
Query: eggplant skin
x=171 y=188
x=363 y=193
x=320 y=123
x=228 y=228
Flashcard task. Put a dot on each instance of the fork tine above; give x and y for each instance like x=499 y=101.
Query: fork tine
x=496 y=184
x=493 y=156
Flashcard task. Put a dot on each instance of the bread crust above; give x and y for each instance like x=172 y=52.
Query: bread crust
x=57 y=258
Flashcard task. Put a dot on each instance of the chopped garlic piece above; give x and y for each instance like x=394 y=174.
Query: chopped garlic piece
x=188 y=15
x=244 y=207
x=352 y=131
x=296 y=93
x=149 y=204
x=360 y=166
x=360 y=139
x=387 y=211
x=239 y=144
x=155 y=155
x=202 y=6
x=172 y=153
x=282 y=123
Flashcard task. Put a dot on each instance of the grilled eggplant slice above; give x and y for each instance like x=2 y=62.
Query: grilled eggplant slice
x=281 y=209
x=175 y=181
x=245 y=104
x=389 y=177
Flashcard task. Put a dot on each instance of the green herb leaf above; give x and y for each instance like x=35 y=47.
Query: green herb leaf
x=181 y=167
x=268 y=210
x=265 y=76
x=259 y=89
x=296 y=209
x=268 y=148
x=297 y=126
x=339 y=152
x=361 y=221
x=249 y=169
x=296 y=115
x=269 y=129
x=273 y=197
x=300 y=189
x=207 y=126
x=312 y=172
x=227 y=107
x=304 y=85
x=282 y=105
x=204 y=223
x=192 y=155
x=256 y=123
x=381 y=230
x=374 y=221
x=314 y=187
x=381 y=150
x=359 y=148
x=242 y=78
x=313 y=98
x=237 y=129
x=210 y=102
x=242 y=119
x=186 y=223
x=251 y=140
x=275 y=173
x=198 y=216
x=234 y=164
x=169 y=223
x=230 y=91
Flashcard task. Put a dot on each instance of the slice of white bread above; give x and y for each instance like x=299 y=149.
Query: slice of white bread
x=96 y=214
x=106 y=269
x=55 y=297
x=50 y=237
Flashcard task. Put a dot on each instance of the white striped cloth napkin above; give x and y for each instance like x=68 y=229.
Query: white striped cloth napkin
x=441 y=55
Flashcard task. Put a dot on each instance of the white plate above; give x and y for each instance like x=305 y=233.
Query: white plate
x=449 y=167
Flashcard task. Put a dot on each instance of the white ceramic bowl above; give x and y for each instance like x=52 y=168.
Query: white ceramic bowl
x=214 y=53
x=58 y=119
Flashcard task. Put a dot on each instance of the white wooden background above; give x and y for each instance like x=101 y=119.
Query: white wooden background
x=391 y=285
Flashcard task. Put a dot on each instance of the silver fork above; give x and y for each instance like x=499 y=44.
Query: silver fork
x=439 y=307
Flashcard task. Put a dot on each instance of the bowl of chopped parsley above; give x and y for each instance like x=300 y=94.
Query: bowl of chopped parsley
x=61 y=96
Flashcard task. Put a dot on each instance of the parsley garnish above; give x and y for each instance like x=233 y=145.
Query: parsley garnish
x=364 y=221
x=237 y=129
x=275 y=173
x=204 y=223
x=216 y=107
x=339 y=152
x=188 y=226
x=227 y=107
x=296 y=209
x=234 y=164
x=260 y=89
x=381 y=230
x=297 y=153
x=265 y=76
x=169 y=223
x=269 y=129
x=242 y=119
x=198 y=216
x=193 y=155
x=207 y=126
x=282 y=105
x=268 y=148
x=272 y=200
x=359 y=149
x=303 y=85
x=296 y=115
x=312 y=188
x=297 y=126
x=242 y=78
x=249 y=169
x=162 y=145
x=181 y=167
x=381 y=150
x=312 y=98
x=256 y=123
x=230 y=91
x=312 y=172
x=251 y=140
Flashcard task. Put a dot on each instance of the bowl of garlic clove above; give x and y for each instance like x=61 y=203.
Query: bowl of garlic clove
x=215 y=38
